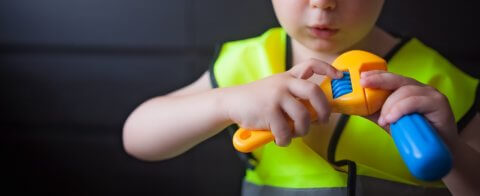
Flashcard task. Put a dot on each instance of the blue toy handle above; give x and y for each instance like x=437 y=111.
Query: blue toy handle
x=423 y=151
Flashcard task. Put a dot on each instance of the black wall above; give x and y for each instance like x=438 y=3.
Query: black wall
x=71 y=72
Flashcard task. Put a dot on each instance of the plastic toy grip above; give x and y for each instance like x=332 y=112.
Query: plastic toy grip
x=422 y=150
x=245 y=140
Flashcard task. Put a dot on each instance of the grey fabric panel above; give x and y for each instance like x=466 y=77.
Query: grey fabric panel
x=250 y=189
x=374 y=186
x=366 y=186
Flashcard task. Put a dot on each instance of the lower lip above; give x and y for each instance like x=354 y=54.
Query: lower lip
x=323 y=33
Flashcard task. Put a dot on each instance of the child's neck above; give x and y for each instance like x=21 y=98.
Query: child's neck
x=377 y=41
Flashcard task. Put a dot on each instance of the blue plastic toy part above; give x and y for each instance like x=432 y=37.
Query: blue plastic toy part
x=342 y=86
x=423 y=151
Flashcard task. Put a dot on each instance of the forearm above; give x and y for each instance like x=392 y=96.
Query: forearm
x=165 y=127
x=464 y=178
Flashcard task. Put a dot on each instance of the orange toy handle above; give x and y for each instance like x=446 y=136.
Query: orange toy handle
x=361 y=101
x=247 y=140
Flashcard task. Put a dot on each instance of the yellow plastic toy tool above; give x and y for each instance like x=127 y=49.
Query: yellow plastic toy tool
x=345 y=96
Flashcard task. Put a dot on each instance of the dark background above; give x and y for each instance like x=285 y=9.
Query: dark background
x=72 y=70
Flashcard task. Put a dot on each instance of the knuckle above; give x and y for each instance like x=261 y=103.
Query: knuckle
x=270 y=110
x=431 y=88
x=311 y=61
x=395 y=109
x=369 y=79
x=247 y=124
x=277 y=92
x=377 y=78
x=409 y=80
x=439 y=96
x=413 y=100
x=323 y=115
x=313 y=89
x=304 y=115
x=435 y=93
x=409 y=88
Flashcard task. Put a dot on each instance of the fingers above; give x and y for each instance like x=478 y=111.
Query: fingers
x=298 y=113
x=395 y=97
x=309 y=91
x=385 y=80
x=289 y=105
x=280 y=127
x=420 y=104
x=403 y=88
x=430 y=102
x=306 y=69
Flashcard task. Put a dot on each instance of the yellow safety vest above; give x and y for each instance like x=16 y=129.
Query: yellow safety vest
x=367 y=155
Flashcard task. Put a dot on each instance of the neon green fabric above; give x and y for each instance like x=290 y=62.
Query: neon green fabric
x=365 y=143
x=417 y=61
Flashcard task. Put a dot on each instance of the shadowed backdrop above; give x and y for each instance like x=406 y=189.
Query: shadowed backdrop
x=72 y=71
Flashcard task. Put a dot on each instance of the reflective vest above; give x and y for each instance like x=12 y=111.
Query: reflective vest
x=362 y=157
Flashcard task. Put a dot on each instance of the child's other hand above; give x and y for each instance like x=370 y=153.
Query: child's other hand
x=266 y=104
x=411 y=96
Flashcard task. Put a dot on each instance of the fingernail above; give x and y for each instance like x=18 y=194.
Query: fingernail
x=339 y=74
x=381 y=121
x=362 y=82
x=389 y=117
x=362 y=74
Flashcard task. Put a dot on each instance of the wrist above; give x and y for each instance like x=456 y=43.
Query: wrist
x=222 y=104
x=452 y=140
x=458 y=148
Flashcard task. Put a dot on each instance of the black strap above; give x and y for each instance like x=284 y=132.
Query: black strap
x=247 y=158
x=403 y=40
x=288 y=54
x=352 y=167
x=213 y=80
x=332 y=148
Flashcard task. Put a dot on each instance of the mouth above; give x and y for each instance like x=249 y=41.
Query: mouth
x=322 y=31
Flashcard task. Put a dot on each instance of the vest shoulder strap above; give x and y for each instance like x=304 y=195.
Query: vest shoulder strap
x=244 y=61
x=426 y=65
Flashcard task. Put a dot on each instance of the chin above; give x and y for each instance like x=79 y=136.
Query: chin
x=326 y=46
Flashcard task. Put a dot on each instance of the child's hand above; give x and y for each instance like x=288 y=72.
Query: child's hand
x=265 y=104
x=411 y=96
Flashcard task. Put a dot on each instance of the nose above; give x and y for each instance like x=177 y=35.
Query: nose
x=323 y=4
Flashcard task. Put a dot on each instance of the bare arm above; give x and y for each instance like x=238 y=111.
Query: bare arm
x=464 y=179
x=166 y=126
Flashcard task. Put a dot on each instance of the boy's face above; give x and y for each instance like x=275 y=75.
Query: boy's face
x=327 y=25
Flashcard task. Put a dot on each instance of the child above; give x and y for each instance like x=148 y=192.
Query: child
x=260 y=83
